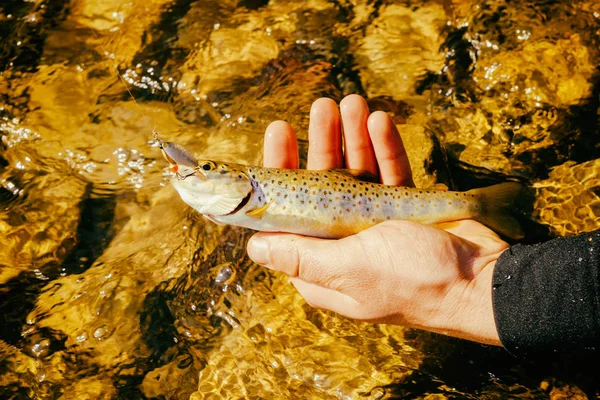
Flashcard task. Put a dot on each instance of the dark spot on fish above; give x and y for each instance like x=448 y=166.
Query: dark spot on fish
x=253 y=176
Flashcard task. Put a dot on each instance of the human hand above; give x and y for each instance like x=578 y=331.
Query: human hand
x=397 y=272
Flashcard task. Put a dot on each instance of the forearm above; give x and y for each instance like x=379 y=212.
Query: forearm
x=546 y=296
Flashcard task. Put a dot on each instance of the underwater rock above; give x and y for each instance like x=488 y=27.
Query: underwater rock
x=115 y=29
x=282 y=347
x=568 y=201
x=266 y=46
x=31 y=241
x=399 y=47
x=98 y=310
x=523 y=91
x=427 y=160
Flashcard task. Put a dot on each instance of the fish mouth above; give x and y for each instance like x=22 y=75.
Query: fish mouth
x=242 y=204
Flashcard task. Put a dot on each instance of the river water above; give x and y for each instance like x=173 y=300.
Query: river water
x=110 y=287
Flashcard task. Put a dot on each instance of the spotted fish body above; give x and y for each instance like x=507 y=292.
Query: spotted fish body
x=332 y=204
x=329 y=203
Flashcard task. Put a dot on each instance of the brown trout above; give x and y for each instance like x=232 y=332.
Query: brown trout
x=328 y=203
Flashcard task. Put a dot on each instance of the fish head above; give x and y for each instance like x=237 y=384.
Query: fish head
x=209 y=187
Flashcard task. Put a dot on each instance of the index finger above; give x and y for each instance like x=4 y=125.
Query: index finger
x=324 y=136
x=280 y=148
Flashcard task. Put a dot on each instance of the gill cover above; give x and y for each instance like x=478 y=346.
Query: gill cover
x=209 y=187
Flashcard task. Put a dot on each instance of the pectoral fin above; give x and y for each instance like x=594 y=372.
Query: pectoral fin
x=258 y=212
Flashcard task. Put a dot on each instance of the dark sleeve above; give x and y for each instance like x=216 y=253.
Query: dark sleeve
x=546 y=296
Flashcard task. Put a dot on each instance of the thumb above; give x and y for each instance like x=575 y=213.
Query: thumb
x=320 y=261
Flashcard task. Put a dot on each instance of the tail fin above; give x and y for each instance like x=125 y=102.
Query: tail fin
x=498 y=202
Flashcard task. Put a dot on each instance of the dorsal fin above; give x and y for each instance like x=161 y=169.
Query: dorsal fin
x=359 y=174
x=440 y=187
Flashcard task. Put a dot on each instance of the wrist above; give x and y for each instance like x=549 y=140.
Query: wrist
x=470 y=314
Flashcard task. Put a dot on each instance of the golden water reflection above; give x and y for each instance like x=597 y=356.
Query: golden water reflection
x=112 y=288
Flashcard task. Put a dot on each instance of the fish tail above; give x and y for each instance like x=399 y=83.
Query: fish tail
x=497 y=204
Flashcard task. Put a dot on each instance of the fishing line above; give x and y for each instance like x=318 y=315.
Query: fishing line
x=146 y=118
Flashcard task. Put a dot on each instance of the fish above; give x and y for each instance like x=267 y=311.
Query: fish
x=326 y=203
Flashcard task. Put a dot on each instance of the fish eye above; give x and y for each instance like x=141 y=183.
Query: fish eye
x=206 y=166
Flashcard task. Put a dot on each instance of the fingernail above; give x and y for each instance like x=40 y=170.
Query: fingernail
x=258 y=250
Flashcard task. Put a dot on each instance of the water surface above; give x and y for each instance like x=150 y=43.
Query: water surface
x=110 y=287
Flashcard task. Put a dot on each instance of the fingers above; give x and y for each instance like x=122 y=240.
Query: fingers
x=394 y=167
x=324 y=136
x=359 y=153
x=318 y=261
x=280 y=146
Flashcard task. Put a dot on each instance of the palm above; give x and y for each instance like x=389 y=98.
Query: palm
x=423 y=275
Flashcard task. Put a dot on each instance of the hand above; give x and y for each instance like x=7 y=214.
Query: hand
x=397 y=272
